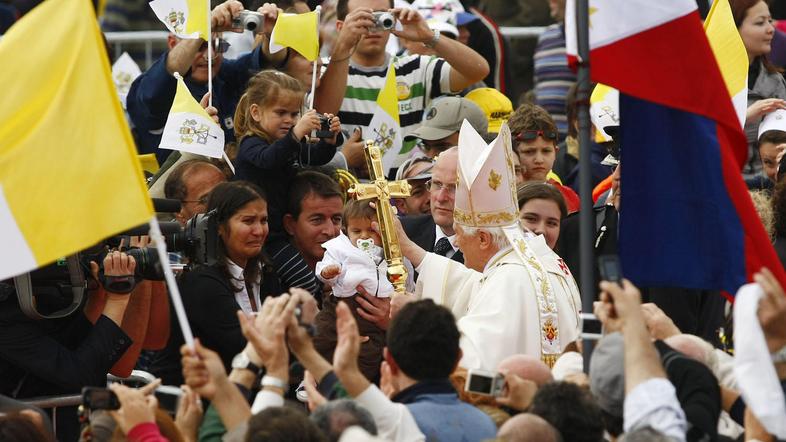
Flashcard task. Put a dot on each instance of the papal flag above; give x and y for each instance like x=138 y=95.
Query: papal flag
x=184 y=18
x=297 y=31
x=189 y=128
x=730 y=53
x=69 y=175
x=384 y=128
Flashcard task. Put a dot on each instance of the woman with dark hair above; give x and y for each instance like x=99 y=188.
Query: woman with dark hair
x=239 y=279
x=541 y=209
x=766 y=85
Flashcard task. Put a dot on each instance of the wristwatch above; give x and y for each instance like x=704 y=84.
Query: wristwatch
x=270 y=381
x=434 y=40
x=242 y=362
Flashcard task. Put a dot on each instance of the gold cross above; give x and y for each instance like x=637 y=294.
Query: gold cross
x=382 y=191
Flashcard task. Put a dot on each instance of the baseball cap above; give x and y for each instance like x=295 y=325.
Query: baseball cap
x=607 y=373
x=444 y=117
x=494 y=104
x=410 y=163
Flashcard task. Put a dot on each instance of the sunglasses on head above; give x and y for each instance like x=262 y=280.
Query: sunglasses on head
x=529 y=135
x=219 y=45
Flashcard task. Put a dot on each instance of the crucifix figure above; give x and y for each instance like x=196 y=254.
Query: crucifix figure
x=381 y=190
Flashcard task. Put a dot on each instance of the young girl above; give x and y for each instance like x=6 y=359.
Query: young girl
x=273 y=143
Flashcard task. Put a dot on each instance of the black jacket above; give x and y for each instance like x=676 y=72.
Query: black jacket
x=422 y=230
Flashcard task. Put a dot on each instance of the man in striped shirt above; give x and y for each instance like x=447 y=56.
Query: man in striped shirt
x=358 y=65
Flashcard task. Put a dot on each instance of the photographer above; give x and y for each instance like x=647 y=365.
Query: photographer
x=50 y=357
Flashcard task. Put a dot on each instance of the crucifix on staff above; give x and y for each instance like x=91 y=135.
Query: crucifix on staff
x=381 y=190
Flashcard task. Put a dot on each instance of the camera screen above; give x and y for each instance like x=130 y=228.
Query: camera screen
x=593 y=326
x=479 y=383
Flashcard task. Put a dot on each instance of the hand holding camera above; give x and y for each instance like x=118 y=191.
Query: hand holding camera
x=117 y=273
x=413 y=26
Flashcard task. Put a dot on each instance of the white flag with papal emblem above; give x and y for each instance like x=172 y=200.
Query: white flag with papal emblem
x=124 y=72
x=189 y=128
x=385 y=129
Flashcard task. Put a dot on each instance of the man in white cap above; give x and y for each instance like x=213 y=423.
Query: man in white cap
x=512 y=297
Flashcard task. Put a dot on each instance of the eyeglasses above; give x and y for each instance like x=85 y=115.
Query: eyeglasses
x=201 y=201
x=529 y=135
x=436 y=186
x=219 y=47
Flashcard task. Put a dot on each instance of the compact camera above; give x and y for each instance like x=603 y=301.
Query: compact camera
x=484 y=383
x=324 y=130
x=383 y=21
x=249 y=20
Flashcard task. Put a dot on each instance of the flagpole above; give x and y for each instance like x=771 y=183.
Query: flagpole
x=209 y=39
x=586 y=215
x=169 y=276
x=318 y=10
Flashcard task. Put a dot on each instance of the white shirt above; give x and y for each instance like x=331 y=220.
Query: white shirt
x=394 y=421
x=654 y=403
x=242 y=296
x=451 y=240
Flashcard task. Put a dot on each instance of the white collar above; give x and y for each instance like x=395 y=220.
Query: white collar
x=235 y=270
x=496 y=258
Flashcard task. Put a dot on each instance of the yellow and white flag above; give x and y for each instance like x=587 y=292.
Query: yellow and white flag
x=730 y=53
x=189 y=128
x=297 y=31
x=124 y=72
x=69 y=175
x=384 y=128
x=184 y=18
x=604 y=110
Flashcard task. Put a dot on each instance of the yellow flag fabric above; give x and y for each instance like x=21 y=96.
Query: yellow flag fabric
x=149 y=162
x=69 y=174
x=730 y=53
x=297 y=31
x=184 y=18
x=189 y=128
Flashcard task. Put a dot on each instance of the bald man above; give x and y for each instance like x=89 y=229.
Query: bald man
x=526 y=427
x=526 y=367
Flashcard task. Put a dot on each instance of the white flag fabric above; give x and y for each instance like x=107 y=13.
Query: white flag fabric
x=124 y=72
x=384 y=128
x=184 y=18
x=189 y=128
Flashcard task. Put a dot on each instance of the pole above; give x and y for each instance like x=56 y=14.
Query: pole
x=209 y=38
x=586 y=216
x=318 y=10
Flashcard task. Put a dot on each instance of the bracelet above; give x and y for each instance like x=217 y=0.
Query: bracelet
x=434 y=40
x=271 y=381
x=351 y=53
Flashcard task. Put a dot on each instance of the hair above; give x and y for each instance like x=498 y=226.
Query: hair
x=779 y=209
x=354 y=209
x=531 y=117
x=498 y=237
x=336 y=416
x=763 y=205
x=424 y=341
x=16 y=427
x=739 y=10
x=541 y=191
x=175 y=186
x=310 y=182
x=283 y=424
x=342 y=8
x=571 y=410
x=572 y=110
x=225 y=200
x=772 y=136
x=264 y=89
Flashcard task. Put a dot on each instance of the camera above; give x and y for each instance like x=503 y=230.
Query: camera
x=95 y=398
x=324 y=130
x=249 y=20
x=484 y=383
x=591 y=327
x=383 y=21
x=610 y=268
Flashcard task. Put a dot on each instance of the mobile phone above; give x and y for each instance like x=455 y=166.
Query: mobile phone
x=168 y=397
x=484 y=383
x=96 y=398
x=610 y=268
x=591 y=327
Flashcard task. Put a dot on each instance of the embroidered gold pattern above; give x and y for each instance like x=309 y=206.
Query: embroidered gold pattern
x=495 y=179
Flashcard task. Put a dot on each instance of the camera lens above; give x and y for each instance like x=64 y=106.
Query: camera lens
x=387 y=23
x=251 y=26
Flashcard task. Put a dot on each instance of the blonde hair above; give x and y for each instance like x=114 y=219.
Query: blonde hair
x=763 y=205
x=264 y=89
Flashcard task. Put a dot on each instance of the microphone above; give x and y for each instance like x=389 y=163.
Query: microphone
x=166 y=205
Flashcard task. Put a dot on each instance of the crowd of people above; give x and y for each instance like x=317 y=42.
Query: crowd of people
x=301 y=336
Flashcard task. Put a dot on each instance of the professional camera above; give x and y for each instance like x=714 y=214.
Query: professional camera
x=383 y=21
x=249 y=20
x=324 y=130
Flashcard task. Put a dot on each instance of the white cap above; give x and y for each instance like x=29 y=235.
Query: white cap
x=773 y=121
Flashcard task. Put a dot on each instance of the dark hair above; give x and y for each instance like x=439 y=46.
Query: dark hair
x=571 y=410
x=283 y=424
x=541 y=191
x=336 y=416
x=772 y=136
x=175 y=186
x=225 y=200
x=18 y=427
x=308 y=182
x=264 y=89
x=531 y=117
x=354 y=209
x=424 y=341
x=739 y=10
x=342 y=8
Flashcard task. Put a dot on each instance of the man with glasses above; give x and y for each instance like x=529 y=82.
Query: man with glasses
x=535 y=140
x=150 y=96
x=191 y=183
x=434 y=232
x=440 y=127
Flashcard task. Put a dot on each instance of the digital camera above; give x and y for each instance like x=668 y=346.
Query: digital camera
x=383 y=21
x=249 y=20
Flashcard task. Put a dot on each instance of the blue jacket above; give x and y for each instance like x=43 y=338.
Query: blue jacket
x=151 y=94
x=441 y=416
